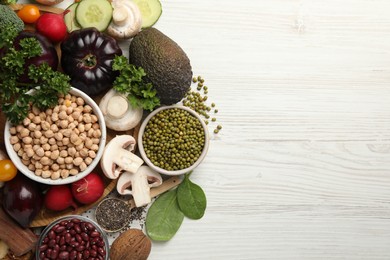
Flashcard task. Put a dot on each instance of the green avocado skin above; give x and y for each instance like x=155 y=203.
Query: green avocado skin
x=166 y=65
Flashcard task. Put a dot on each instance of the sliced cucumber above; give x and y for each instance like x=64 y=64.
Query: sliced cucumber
x=151 y=11
x=70 y=18
x=94 y=13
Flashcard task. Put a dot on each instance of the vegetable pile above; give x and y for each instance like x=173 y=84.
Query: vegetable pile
x=34 y=85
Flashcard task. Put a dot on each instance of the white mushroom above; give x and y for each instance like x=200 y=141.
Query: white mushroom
x=126 y=19
x=118 y=113
x=117 y=157
x=138 y=184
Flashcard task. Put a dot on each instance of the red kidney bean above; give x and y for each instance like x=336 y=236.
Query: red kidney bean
x=94 y=234
x=85 y=254
x=73 y=239
x=64 y=255
x=73 y=254
x=101 y=251
x=53 y=254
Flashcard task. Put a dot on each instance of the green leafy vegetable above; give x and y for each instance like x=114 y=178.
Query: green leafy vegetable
x=14 y=99
x=191 y=199
x=131 y=83
x=8 y=2
x=164 y=217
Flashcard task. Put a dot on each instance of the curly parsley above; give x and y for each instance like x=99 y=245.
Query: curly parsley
x=47 y=83
x=130 y=82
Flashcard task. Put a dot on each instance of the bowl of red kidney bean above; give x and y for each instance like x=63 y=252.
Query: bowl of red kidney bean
x=73 y=237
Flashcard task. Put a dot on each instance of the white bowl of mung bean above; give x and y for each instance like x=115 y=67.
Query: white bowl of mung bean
x=173 y=140
x=60 y=145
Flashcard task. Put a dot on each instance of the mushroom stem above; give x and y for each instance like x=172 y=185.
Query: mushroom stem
x=117 y=106
x=127 y=161
x=119 y=16
x=141 y=190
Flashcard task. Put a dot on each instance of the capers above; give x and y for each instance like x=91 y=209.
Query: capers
x=173 y=139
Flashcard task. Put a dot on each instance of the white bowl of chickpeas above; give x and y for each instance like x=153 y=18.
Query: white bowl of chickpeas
x=59 y=145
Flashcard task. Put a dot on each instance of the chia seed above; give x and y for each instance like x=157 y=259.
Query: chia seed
x=113 y=214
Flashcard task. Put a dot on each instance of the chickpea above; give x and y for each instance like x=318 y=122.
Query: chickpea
x=92 y=154
x=54 y=128
x=58 y=136
x=68 y=160
x=37 y=134
x=73 y=171
x=12 y=130
x=80 y=146
x=71 y=126
x=90 y=132
x=76 y=114
x=14 y=139
x=45 y=161
x=88 y=160
x=71 y=151
x=45 y=125
x=52 y=141
x=55 y=167
x=36 y=120
x=69 y=166
x=26 y=121
x=49 y=133
x=87 y=118
x=55 y=155
x=42 y=115
x=62 y=115
x=54 y=147
x=25 y=162
x=88 y=143
x=64 y=153
x=38 y=165
x=83 y=166
x=96 y=140
x=49 y=111
x=40 y=152
x=24 y=133
x=32 y=127
x=56 y=109
x=17 y=147
x=30 y=153
x=94 y=118
x=67 y=132
x=19 y=128
x=48 y=154
x=60 y=160
x=30 y=115
x=20 y=152
x=38 y=172
x=95 y=126
x=84 y=152
x=94 y=147
x=46 y=174
x=25 y=158
x=46 y=147
x=64 y=173
x=87 y=109
x=54 y=117
x=80 y=101
x=77 y=161
x=27 y=140
x=35 y=110
x=64 y=124
x=31 y=167
x=43 y=140
x=69 y=110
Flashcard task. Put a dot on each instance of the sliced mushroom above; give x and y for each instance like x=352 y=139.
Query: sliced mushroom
x=126 y=19
x=138 y=184
x=118 y=113
x=117 y=157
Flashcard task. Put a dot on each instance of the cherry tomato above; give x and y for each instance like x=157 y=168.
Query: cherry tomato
x=7 y=170
x=29 y=13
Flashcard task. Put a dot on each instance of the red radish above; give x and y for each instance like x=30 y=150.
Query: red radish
x=59 y=197
x=52 y=26
x=88 y=189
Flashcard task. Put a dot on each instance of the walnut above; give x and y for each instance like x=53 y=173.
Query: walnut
x=132 y=244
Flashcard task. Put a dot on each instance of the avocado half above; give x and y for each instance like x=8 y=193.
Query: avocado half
x=166 y=65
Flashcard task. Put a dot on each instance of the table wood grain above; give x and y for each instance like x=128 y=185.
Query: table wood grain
x=301 y=168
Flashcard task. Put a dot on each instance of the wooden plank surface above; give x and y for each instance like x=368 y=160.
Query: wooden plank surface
x=301 y=169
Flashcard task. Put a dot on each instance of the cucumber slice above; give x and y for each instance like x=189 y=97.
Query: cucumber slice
x=151 y=11
x=70 y=18
x=94 y=13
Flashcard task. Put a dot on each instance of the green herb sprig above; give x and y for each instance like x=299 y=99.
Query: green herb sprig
x=47 y=83
x=131 y=83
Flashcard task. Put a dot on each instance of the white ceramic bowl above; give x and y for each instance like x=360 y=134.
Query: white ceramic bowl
x=30 y=174
x=161 y=170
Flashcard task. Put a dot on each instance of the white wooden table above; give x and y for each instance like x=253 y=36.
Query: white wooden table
x=301 y=168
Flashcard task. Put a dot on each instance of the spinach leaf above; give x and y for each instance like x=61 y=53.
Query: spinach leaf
x=191 y=199
x=164 y=217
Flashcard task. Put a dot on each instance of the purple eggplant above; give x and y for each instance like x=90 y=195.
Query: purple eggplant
x=22 y=199
x=87 y=56
x=49 y=53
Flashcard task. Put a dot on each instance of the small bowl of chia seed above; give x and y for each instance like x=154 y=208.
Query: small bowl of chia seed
x=173 y=140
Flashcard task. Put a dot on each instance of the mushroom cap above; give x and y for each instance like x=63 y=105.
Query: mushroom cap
x=117 y=156
x=126 y=19
x=118 y=113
